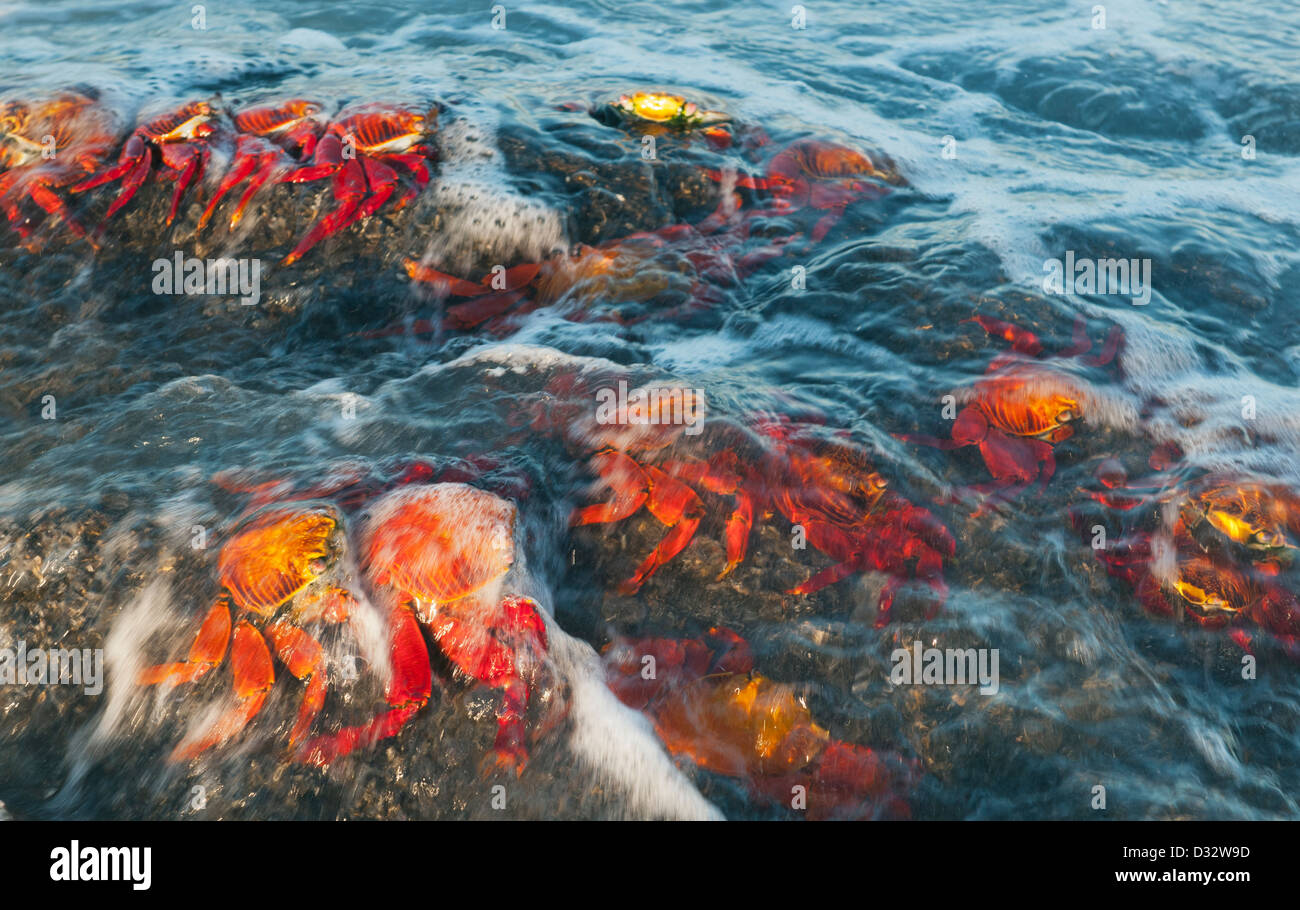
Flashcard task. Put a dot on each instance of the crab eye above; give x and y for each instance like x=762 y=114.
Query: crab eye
x=1268 y=539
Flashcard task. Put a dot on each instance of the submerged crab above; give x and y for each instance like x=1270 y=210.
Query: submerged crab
x=362 y=151
x=1021 y=409
x=1173 y=577
x=829 y=490
x=708 y=705
x=1212 y=547
x=176 y=141
x=847 y=511
x=442 y=552
x=45 y=147
x=676 y=261
x=1260 y=520
x=820 y=175
x=270 y=142
x=275 y=573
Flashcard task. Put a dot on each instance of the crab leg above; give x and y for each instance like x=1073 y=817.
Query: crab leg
x=416 y=165
x=246 y=162
x=408 y=691
x=1022 y=341
x=133 y=154
x=325 y=162
x=483 y=655
x=135 y=179
x=190 y=161
x=1114 y=338
x=721 y=475
x=381 y=181
x=679 y=507
x=474 y=313
x=207 y=651
x=832 y=539
x=258 y=181
x=263 y=174
x=349 y=191
x=628 y=482
x=515 y=279
x=51 y=203
x=254 y=676
x=305 y=659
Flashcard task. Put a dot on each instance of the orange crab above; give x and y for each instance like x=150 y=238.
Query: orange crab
x=826 y=176
x=274 y=571
x=443 y=552
x=1021 y=409
x=676 y=261
x=829 y=489
x=709 y=705
x=1210 y=546
x=1172 y=576
x=176 y=141
x=45 y=147
x=271 y=140
x=360 y=151
x=658 y=113
x=848 y=511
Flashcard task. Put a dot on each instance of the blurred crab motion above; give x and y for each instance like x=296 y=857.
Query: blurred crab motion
x=436 y=554
x=48 y=146
x=1215 y=548
x=710 y=706
x=653 y=450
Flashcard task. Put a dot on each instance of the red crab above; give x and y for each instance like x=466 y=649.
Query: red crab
x=677 y=261
x=624 y=442
x=821 y=175
x=829 y=489
x=1173 y=576
x=276 y=573
x=1021 y=409
x=847 y=511
x=361 y=151
x=45 y=147
x=176 y=141
x=1211 y=546
x=708 y=705
x=443 y=552
x=270 y=142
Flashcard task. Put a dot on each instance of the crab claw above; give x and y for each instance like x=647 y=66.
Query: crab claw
x=498 y=650
x=408 y=691
x=207 y=651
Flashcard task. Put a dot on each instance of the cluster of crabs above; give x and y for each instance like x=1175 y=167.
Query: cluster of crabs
x=380 y=157
x=55 y=150
x=1214 y=548
x=437 y=552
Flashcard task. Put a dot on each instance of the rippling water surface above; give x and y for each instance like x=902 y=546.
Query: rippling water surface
x=1020 y=132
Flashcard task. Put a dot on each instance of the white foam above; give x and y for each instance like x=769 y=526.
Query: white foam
x=617 y=743
x=479 y=215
